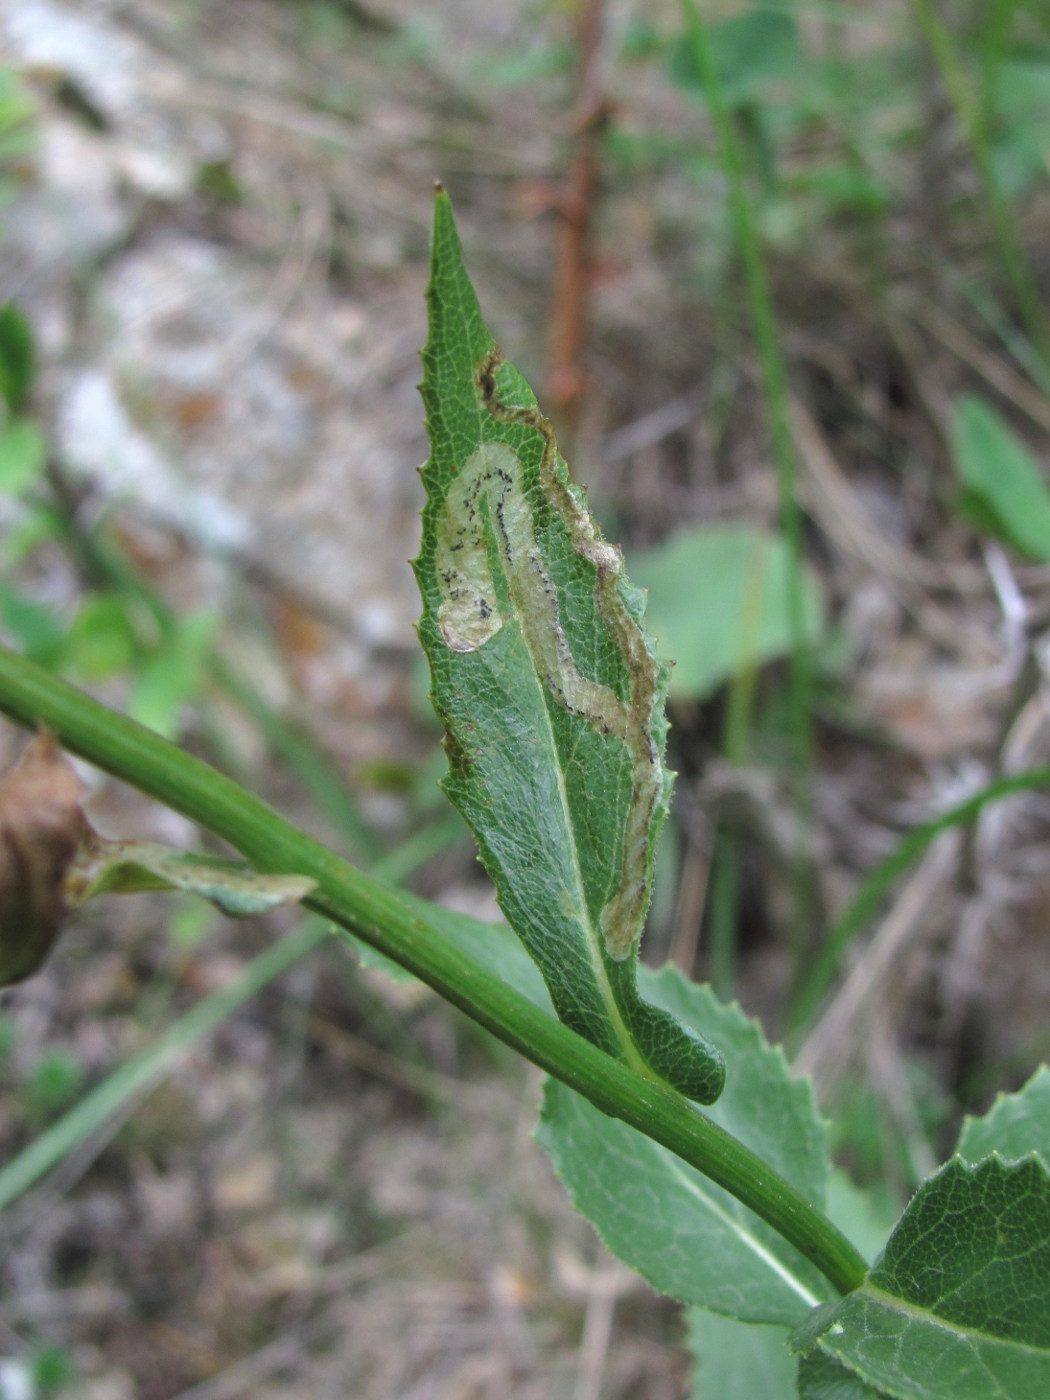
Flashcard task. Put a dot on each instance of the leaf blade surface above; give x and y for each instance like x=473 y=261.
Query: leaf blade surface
x=1014 y=1126
x=958 y=1307
x=549 y=693
x=683 y=1233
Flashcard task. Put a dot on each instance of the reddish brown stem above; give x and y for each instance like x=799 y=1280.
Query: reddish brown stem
x=574 y=212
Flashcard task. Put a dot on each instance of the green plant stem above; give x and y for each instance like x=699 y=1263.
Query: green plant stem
x=142 y=1071
x=314 y=768
x=877 y=884
x=774 y=376
x=105 y=562
x=383 y=918
x=970 y=112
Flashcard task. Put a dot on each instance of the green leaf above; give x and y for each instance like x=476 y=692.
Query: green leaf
x=821 y=1377
x=23 y=456
x=1004 y=487
x=129 y=867
x=738 y=1360
x=101 y=641
x=173 y=674
x=957 y=1308
x=1014 y=1126
x=35 y=629
x=17 y=358
x=718 y=603
x=748 y=51
x=686 y=1235
x=546 y=686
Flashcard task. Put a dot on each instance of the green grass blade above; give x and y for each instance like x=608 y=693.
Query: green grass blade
x=142 y=1072
x=878 y=883
x=774 y=376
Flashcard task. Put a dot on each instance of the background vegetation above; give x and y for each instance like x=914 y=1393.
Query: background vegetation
x=798 y=348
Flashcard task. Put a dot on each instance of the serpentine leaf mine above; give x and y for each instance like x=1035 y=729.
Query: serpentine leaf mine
x=548 y=690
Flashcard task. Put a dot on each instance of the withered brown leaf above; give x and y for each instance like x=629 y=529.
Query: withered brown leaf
x=41 y=829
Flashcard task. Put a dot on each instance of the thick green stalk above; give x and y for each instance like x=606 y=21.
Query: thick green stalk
x=105 y=562
x=774 y=376
x=382 y=917
x=139 y=1074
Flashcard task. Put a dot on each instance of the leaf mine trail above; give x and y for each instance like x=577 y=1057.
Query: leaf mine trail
x=550 y=695
x=489 y=489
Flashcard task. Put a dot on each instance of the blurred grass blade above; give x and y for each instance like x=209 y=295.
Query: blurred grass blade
x=878 y=883
x=971 y=114
x=774 y=378
x=140 y=1073
x=1004 y=490
x=17 y=358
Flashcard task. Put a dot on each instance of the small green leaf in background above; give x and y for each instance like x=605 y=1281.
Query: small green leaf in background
x=683 y=1233
x=17 y=358
x=51 y=1085
x=1014 y=1126
x=1020 y=147
x=1005 y=491
x=738 y=1360
x=101 y=639
x=718 y=603
x=173 y=675
x=51 y=1368
x=957 y=1307
x=34 y=629
x=17 y=110
x=843 y=188
x=749 y=51
x=546 y=686
x=23 y=456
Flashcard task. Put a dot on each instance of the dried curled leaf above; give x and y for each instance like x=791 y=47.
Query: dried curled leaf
x=52 y=859
x=41 y=829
